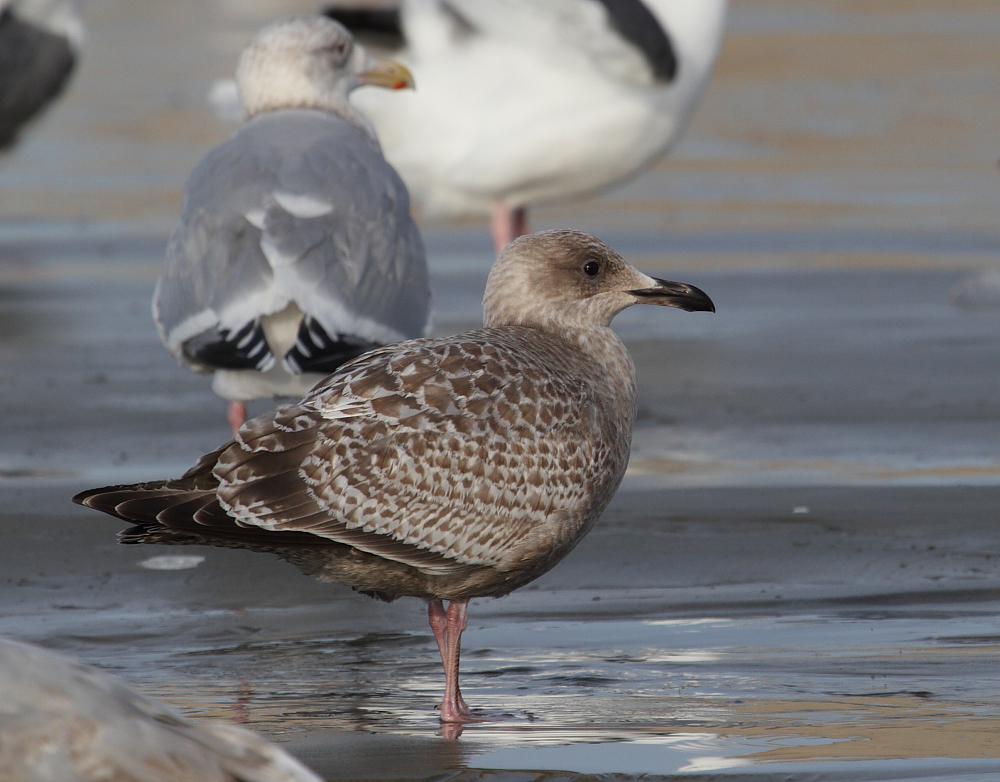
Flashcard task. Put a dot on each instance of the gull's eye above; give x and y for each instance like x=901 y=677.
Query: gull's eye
x=340 y=50
x=591 y=268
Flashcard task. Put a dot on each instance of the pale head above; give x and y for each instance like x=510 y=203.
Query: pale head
x=567 y=281
x=309 y=62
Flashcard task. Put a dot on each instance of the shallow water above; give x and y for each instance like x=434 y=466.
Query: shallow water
x=800 y=578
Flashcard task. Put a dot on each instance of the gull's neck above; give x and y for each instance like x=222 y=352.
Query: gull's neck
x=261 y=94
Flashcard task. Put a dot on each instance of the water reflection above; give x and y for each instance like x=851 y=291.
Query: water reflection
x=669 y=695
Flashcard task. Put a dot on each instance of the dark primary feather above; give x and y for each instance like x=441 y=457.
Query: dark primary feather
x=245 y=348
x=35 y=66
x=317 y=351
x=637 y=24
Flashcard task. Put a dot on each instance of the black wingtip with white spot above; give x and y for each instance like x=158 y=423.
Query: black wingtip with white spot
x=245 y=348
x=317 y=351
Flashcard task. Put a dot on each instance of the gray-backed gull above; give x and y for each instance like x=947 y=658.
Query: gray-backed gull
x=295 y=249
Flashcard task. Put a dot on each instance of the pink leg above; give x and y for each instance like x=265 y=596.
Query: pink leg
x=453 y=707
x=507 y=224
x=447 y=627
x=438 y=619
x=237 y=415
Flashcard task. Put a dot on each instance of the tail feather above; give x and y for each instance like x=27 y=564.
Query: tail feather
x=191 y=512
x=142 y=503
x=174 y=512
x=139 y=503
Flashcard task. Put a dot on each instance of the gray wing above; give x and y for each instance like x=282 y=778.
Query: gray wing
x=298 y=206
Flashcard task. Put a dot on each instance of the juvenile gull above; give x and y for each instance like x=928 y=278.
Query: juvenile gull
x=295 y=249
x=445 y=468
x=529 y=101
x=64 y=721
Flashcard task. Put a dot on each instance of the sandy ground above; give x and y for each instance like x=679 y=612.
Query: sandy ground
x=800 y=578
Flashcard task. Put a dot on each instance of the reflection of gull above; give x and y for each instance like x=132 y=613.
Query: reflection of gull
x=445 y=468
x=39 y=45
x=295 y=250
x=61 y=720
x=526 y=101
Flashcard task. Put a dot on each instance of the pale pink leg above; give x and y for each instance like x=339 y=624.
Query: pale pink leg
x=447 y=627
x=237 y=415
x=453 y=707
x=438 y=619
x=507 y=224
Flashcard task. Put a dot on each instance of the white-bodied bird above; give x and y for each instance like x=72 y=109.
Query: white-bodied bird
x=523 y=102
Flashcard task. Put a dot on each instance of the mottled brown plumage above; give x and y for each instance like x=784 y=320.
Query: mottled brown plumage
x=445 y=468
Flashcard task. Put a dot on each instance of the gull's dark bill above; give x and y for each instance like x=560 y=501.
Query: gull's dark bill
x=676 y=294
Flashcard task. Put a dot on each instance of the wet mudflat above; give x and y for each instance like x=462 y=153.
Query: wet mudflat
x=800 y=578
x=802 y=564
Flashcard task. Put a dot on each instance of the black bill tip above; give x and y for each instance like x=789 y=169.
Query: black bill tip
x=675 y=294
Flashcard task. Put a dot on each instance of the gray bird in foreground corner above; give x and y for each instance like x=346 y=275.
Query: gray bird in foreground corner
x=64 y=721
x=446 y=468
x=295 y=249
